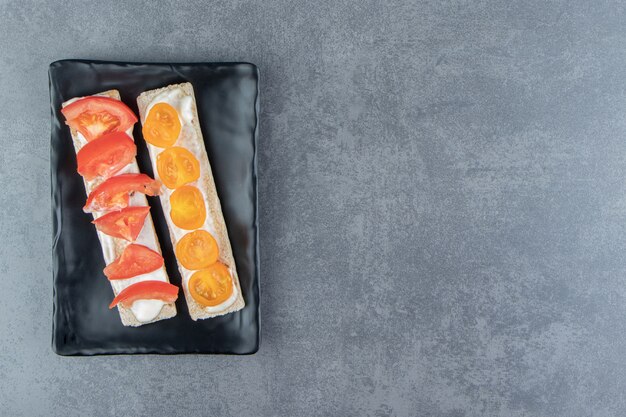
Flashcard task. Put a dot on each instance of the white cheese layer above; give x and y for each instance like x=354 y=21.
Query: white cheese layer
x=187 y=139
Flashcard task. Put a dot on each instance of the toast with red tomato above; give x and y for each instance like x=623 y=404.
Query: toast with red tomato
x=101 y=129
x=171 y=128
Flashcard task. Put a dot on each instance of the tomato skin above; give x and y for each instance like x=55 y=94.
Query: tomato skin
x=211 y=286
x=162 y=126
x=113 y=193
x=105 y=156
x=135 y=260
x=94 y=116
x=177 y=166
x=146 y=290
x=124 y=224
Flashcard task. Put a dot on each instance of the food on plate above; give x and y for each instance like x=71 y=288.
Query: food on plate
x=177 y=166
x=162 y=126
x=146 y=290
x=114 y=193
x=124 y=224
x=187 y=207
x=94 y=116
x=105 y=156
x=211 y=286
x=197 y=250
x=101 y=130
x=135 y=260
x=190 y=202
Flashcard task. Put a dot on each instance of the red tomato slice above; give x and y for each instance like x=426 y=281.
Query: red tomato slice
x=113 y=193
x=146 y=290
x=94 y=116
x=106 y=155
x=125 y=224
x=135 y=260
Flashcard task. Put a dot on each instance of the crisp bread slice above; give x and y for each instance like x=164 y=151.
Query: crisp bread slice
x=206 y=184
x=126 y=314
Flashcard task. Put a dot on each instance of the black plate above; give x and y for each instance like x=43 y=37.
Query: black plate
x=227 y=98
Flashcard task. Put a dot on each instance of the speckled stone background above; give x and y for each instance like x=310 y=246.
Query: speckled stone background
x=442 y=208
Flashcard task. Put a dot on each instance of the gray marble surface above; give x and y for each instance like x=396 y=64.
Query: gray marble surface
x=442 y=208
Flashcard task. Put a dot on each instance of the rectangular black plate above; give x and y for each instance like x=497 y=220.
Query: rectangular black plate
x=228 y=105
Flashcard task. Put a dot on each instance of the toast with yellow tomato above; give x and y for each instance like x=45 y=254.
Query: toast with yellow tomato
x=171 y=129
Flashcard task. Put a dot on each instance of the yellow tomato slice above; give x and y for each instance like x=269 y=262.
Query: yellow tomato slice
x=188 y=211
x=211 y=286
x=197 y=250
x=177 y=166
x=162 y=126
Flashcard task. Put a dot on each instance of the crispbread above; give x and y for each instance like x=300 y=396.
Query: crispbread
x=126 y=315
x=207 y=185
